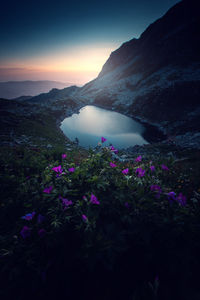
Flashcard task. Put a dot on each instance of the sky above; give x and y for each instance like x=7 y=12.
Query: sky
x=68 y=41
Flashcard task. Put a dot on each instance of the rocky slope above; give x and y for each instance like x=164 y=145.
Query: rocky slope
x=45 y=99
x=156 y=78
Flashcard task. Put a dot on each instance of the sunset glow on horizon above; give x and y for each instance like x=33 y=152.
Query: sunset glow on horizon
x=68 y=41
x=77 y=65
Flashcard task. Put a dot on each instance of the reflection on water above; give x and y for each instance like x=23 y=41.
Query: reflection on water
x=93 y=122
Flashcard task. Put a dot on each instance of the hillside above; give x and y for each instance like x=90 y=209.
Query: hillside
x=156 y=78
x=53 y=95
x=14 y=89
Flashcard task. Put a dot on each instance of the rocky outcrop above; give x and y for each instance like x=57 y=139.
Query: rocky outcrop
x=54 y=95
x=155 y=78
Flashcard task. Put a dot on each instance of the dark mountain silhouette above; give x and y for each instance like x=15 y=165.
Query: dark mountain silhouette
x=14 y=89
x=53 y=95
x=156 y=78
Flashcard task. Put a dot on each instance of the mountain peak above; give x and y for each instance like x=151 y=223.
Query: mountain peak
x=181 y=21
x=156 y=77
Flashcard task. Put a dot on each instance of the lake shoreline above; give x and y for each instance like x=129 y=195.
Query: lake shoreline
x=149 y=133
x=185 y=140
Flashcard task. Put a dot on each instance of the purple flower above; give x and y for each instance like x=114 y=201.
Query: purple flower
x=64 y=156
x=125 y=171
x=164 y=167
x=157 y=189
x=112 y=165
x=28 y=217
x=139 y=158
x=40 y=219
x=140 y=172
x=42 y=232
x=25 y=232
x=84 y=218
x=58 y=169
x=48 y=190
x=113 y=149
x=152 y=168
x=171 y=196
x=66 y=202
x=181 y=199
x=103 y=139
x=94 y=200
x=71 y=170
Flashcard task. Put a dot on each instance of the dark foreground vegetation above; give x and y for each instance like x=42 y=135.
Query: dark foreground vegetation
x=82 y=225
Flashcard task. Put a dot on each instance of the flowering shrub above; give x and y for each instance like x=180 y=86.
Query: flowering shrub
x=106 y=215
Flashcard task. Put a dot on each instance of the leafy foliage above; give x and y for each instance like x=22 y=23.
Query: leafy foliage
x=70 y=219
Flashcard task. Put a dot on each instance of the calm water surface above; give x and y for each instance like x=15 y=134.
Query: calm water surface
x=93 y=122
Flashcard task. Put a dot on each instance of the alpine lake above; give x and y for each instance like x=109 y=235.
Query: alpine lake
x=91 y=123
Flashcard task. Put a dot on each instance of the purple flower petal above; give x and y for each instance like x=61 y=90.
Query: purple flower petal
x=84 y=218
x=94 y=200
x=64 y=156
x=112 y=165
x=152 y=168
x=164 y=167
x=171 y=196
x=66 y=202
x=71 y=170
x=139 y=158
x=48 y=190
x=113 y=149
x=125 y=171
x=29 y=216
x=181 y=199
x=58 y=169
x=103 y=139
x=140 y=172
x=25 y=232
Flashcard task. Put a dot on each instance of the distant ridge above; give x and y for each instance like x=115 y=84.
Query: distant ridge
x=53 y=95
x=15 y=89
